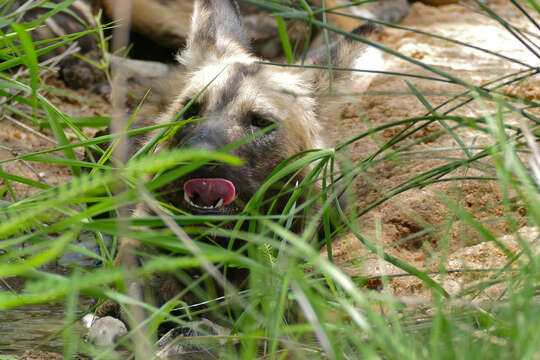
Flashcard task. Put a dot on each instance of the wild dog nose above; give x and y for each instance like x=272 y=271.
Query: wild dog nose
x=200 y=145
x=209 y=134
x=203 y=140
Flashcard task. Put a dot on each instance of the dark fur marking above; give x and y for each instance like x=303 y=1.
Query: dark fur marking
x=319 y=56
x=366 y=29
x=241 y=71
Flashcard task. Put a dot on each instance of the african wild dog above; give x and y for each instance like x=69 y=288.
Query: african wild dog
x=244 y=96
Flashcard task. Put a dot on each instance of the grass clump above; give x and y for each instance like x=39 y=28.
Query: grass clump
x=296 y=302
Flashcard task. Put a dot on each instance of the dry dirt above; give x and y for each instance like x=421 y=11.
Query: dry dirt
x=411 y=211
x=17 y=139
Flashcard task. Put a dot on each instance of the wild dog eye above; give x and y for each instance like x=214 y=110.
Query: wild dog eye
x=193 y=111
x=260 y=121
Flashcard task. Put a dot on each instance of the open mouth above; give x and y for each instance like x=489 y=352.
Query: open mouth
x=209 y=193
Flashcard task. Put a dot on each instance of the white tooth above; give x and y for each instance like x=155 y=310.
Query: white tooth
x=186 y=197
x=188 y=200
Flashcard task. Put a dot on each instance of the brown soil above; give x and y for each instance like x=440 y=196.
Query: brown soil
x=411 y=211
x=17 y=140
x=41 y=355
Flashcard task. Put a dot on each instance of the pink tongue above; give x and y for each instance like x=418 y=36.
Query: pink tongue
x=208 y=191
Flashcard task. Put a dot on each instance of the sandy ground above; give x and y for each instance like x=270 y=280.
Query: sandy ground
x=392 y=223
x=411 y=211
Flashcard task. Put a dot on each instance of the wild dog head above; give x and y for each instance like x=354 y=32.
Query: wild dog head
x=244 y=96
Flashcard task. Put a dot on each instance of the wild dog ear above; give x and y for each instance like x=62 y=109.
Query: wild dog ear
x=216 y=30
x=350 y=54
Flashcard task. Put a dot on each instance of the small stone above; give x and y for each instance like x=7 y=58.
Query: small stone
x=106 y=331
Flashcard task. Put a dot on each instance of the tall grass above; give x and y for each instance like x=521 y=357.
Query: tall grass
x=296 y=303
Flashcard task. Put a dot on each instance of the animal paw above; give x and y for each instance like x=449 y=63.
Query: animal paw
x=183 y=341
